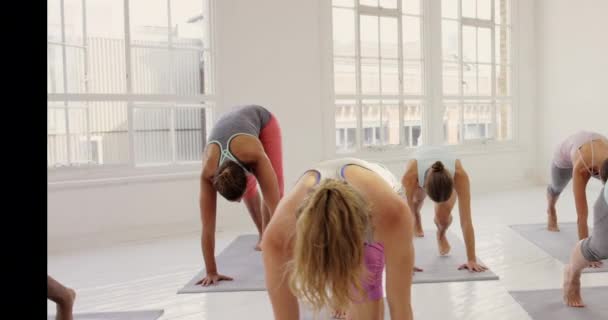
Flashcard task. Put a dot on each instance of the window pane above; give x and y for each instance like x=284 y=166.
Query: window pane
x=346 y=125
x=390 y=123
x=56 y=147
x=449 y=9
x=369 y=36
x=75 y=69
x=410 y=6
x=153 y=141
x=151 y=70
x=106 y=47
x=388 y=4
x=389 y=38
x=503 y=45
x=344 y=32
x=344 y=76
x=451 y=78
x=484 y=45
x=503 y=80
x=190 y=132
x=54 y=69
x=484 y=9
x=485 y=79
x=343 y=3
x=451 y=123
x=187 y=23
x=504 y=121
x=468 y=8
x=412 y=82
x=372 y=3
x=149 y=22
x=187 y=71
x=73 y=21
x=371 y=124
x=477 y=121
x=502 y=11
x=390 y=77
x=412 y=124
x=79 y=143
x=411 y=38
x=450 y=40
x=469 y=81
x=53 y=14
x=370 y=75
x=109 y=131
x=469 y=44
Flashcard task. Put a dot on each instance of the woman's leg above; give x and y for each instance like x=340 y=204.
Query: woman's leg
x=64 y=298
x=271 y=139
x=443 y=219
x=559 y=179
x=572 y=277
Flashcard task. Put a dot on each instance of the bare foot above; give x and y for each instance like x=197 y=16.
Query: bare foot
x=444 y=245
x=595 y=264
x=258 y=247
x=419 y=232
x=552 y=220
x=64 y=309
x=572 y=290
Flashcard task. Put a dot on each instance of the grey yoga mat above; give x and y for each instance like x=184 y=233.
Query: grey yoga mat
x=548 y=304
x=124 y=315
x=438 y=268
x=559 y=245
x=239 y=261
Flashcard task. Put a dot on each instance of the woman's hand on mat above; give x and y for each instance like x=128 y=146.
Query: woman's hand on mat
x=473 y=266
x=212 y=279
x=595 y=264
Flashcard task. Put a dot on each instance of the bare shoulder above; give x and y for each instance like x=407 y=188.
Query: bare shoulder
x=211 y=158
x=459 y=168
x=411 y=172
x=247 y=148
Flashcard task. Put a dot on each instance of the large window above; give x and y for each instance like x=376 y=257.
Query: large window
x=385 y=51
x=130 y=82
x=378 y=68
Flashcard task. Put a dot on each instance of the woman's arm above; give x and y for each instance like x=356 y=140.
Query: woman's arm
x=409 y=181
x=463 y=190
x=267 y=178
x=580 y=177
x=277 y=246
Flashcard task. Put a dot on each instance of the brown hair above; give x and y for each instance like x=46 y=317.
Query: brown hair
x=439 y=183
x=604 y=171
x=230 y=180
x=328 y=252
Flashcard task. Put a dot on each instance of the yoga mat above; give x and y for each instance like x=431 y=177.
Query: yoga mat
x=548 y=304
x=126 y=315
x=438 y=268
x=559 y=245
x=239 y=261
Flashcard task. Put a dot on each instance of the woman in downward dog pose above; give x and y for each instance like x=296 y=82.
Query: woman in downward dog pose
x=588 y=250
x=437 y=173
x=577 y=158
x=244 y=146
x=328 y=241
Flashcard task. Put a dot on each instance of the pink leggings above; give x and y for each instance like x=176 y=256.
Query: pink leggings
x=374 y=264
x=270 y=136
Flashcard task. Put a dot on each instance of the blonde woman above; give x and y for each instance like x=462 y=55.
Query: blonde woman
x=328 y=241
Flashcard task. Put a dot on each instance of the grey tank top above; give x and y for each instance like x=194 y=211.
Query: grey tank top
x=334 y=169
x=242 y=120
x=427 y=155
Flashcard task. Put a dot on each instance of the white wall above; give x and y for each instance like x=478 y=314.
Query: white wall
x=269 y=54
x=572 y=55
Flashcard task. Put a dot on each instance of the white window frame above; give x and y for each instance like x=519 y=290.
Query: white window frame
x=433 y=107
x=78 y=175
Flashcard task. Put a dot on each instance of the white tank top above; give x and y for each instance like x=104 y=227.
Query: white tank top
x=427 y=155
x=334 y=169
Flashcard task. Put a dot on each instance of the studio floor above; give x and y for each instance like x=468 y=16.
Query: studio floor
x=147 y=274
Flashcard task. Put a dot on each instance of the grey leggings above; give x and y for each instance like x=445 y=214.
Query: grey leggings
x=559 y=179
x=595 y=248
